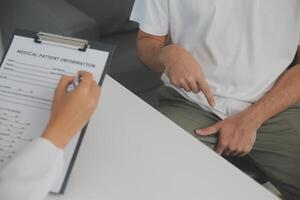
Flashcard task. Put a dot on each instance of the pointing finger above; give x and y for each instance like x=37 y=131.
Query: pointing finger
x=206 y=91
x=209 y=96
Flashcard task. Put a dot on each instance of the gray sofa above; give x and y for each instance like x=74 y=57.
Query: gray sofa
x=96 y=20
x=1 y=46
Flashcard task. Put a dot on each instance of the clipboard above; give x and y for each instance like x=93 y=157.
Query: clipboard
x=76 y=45
x=63 y=41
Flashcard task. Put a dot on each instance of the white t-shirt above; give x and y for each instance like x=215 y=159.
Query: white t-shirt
x=243 y=46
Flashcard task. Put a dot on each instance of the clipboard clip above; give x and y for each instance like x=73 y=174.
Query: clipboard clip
x=69 y=42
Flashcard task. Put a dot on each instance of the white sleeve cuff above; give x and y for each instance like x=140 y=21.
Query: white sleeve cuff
x=32 y=172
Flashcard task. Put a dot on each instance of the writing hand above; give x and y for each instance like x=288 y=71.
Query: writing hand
x=71 y=110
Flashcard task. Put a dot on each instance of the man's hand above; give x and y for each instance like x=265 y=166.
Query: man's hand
x=236 y=134
x=184 y=71
x=71 y=110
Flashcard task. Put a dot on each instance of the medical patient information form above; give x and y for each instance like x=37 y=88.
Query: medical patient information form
x=29 y=75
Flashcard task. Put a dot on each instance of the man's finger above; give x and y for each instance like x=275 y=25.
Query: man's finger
x=194 y=86
x=230 y=152
x=245 y=151
x=219 y=149
x=232 y=149
x=209 y=96
x=185 y=86
x=234 y=153
x=207 y=92
x=227 y=152
x=208 y=131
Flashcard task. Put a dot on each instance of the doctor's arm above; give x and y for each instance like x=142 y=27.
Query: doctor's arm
x=31 y=174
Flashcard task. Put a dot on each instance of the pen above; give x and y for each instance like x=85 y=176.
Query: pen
x=72 y=86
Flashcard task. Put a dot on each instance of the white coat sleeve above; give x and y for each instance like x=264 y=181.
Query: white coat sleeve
x=31 y=174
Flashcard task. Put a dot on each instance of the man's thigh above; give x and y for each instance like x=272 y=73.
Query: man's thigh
x=277 y=151
x=187 y=115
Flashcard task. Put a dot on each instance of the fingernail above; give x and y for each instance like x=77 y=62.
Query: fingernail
x=199 y=132
x=213 y=104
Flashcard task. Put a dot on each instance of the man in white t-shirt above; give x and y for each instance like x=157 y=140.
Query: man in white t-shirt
x=227 y=79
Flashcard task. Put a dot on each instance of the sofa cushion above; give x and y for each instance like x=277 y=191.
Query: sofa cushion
x=126 y=68
x=54 y=16
x=112 y=16
x=1 y=46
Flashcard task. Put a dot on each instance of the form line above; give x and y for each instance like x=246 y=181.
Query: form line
x=42 y=108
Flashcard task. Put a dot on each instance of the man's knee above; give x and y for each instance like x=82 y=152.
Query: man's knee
x=277 y=151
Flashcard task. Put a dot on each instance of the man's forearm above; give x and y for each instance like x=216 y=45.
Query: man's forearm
x=149 y=48
x=285 y=93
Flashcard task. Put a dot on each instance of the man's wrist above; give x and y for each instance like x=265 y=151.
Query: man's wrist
x=256 y=115
x=163 y=56
x=167 y=54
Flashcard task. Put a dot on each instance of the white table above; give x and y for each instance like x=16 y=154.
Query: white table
x=132 y=152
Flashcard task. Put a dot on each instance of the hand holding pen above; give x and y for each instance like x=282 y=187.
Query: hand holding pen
x=71 y=109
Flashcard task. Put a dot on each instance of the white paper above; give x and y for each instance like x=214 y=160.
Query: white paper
x=28 y=77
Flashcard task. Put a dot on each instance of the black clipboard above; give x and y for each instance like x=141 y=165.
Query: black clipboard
x=77 y=45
